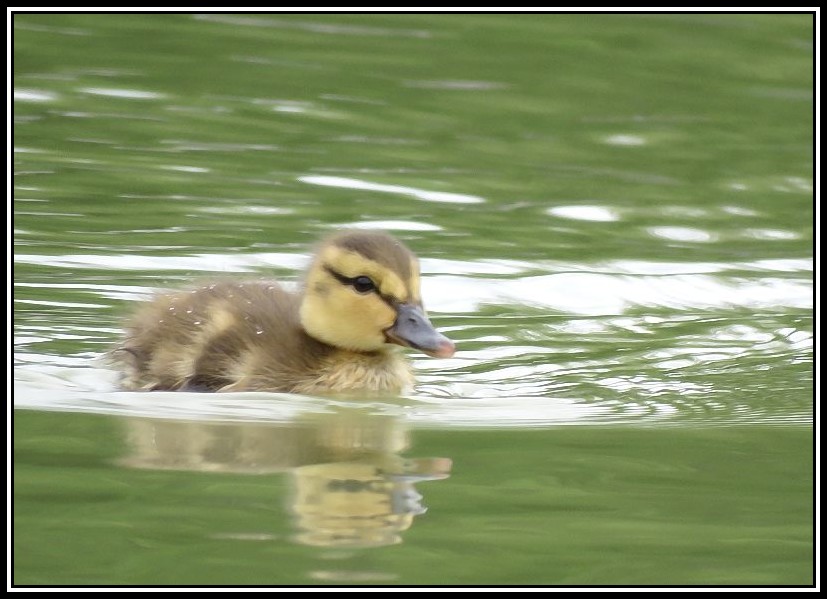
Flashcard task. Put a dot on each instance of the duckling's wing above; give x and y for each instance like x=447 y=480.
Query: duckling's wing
x=211 y=337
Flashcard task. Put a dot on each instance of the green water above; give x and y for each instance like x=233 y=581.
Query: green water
x=614 y=216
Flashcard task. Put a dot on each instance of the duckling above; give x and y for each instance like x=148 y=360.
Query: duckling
x=360 y=298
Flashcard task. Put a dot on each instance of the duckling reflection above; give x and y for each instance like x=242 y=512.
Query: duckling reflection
x=349 y=485
x=361 y=503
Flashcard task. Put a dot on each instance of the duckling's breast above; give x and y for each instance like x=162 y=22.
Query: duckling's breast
x=346 y=371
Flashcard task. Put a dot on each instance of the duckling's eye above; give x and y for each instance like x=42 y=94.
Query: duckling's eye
x=363 y=284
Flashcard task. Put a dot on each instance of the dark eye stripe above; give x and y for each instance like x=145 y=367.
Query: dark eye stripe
x=362 y=284
x=354 y=282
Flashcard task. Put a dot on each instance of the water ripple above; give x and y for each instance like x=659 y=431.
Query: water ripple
x=419 y=194
x=672 y=371
x=570 y=288
x=614 y=342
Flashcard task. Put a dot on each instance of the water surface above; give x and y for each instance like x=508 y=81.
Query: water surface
x=614 y=216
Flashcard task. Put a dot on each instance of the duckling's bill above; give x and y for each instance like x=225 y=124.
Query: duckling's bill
x=413 y=329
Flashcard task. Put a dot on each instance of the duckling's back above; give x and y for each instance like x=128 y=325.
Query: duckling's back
x=223 y=336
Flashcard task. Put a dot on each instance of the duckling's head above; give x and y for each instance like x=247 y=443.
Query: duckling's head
x=362 y=292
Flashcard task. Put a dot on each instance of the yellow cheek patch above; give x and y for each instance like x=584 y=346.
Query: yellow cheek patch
x=347 y=320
